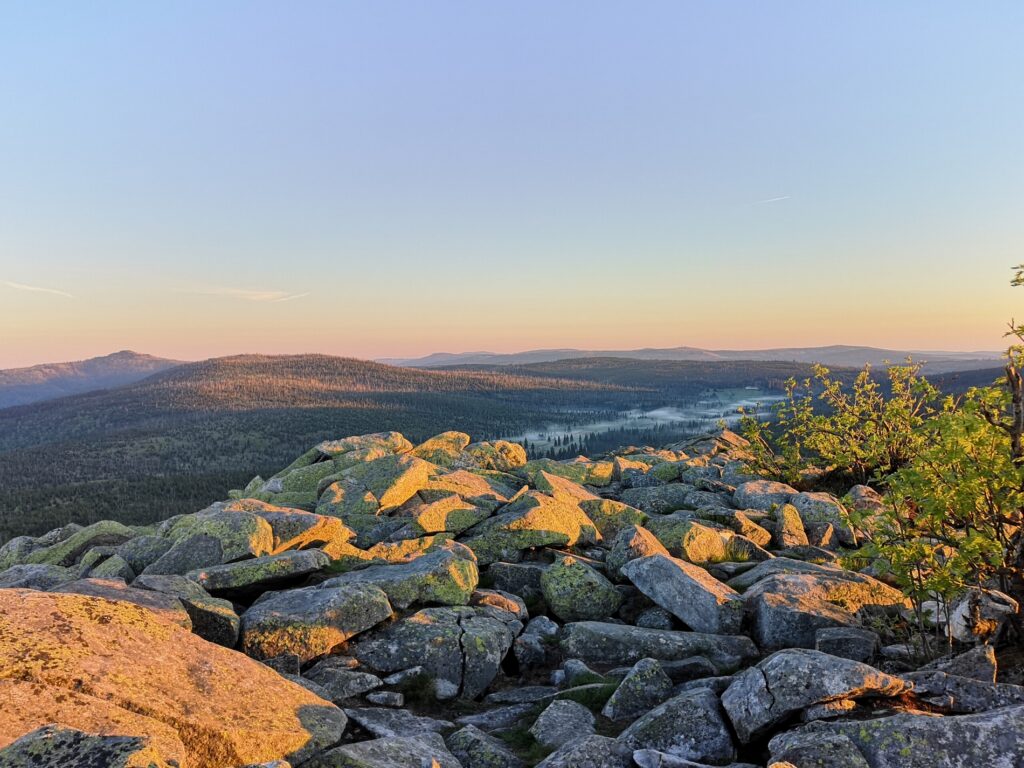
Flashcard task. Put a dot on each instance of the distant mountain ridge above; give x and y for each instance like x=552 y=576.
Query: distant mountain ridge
x=21 y=386
x=835 y=355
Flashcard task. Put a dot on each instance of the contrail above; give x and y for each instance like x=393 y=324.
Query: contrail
x=772 y=200
x=269 y=297
x=37 y=289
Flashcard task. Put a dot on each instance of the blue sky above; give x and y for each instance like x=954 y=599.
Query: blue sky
x=385 y=179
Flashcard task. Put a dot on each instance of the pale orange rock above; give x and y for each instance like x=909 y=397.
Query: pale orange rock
x=113 y=667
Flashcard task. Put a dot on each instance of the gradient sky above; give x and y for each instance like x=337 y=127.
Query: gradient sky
x=395 y=178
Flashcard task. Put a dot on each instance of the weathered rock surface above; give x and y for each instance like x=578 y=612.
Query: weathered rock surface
x=427 y=749
x=55 y=746
x=688 y=592
x=575 y=592
x=260 y=572
x=690 y=725
x=533 y=520
x=60 y=651
x=602 y=643
x=446 y=576
x=645 y=686
x=589 y=752
x=991 y=739
x=788 y=681
x=561 y=722
x=474 y=748
x=309 y=622
x=460 y=648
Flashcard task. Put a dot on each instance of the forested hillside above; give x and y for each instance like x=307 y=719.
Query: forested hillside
x=179 y=439
x=678 y=378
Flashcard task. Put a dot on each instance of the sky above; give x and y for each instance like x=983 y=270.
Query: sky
x=373 y=179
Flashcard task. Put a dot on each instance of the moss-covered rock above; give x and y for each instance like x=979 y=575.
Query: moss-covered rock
x=562 y=488
x=580 y=470
x=611 y=516
x=499 y=455
x=241 y=534
x=484 y=488
x=443 y=449
x=472 y=747
x=449 y=513
x=311 y=621
x=446 y=576
x=390 y=442
x=260 y=573
x=690 y=540
x=644 y=687
x=533 y=520
x=68 y=551
x=576 y=592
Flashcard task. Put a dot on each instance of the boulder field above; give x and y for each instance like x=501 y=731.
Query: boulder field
x=382 y=604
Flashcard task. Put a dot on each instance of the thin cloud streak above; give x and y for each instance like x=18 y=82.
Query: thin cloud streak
x=772 y=200
x=37 y=289
x=262 y=296
x=289 y=298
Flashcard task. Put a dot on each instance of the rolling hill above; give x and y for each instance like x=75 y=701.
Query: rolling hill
x=836 y=356
x=20 y=386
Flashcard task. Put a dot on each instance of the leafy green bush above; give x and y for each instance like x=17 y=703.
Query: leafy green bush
x=854 y=433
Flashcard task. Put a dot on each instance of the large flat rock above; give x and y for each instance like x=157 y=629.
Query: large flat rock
x=102 y=666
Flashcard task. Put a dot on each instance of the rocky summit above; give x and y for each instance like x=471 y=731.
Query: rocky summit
x=380 y=604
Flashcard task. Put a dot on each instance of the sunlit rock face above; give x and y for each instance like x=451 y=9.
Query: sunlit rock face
x=109 y=666
x=384 y=602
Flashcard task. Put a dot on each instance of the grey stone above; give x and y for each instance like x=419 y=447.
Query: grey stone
x=561 y=722
x=963 y=695
x=978 y=663
x=574 y=591
x=57 y=746
x=690 y=725
x=341 y=682
x=38 y=576
x=762 y=494
x=462 y=647
x=213 y=619
x=847 y=642
x=476 y=749
x=645 y=686
x=789 y=528
x=259 y=573
x=788 y=681
x=425 y=749
x=688 y=592
x=596 y=642
x=500 y=718
x=383 y=722
x=589 y=752
x=309 y=622
x=991 y=739
x=386 y=698
x=445 y=576
x=143 y=551
x=187 y=554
